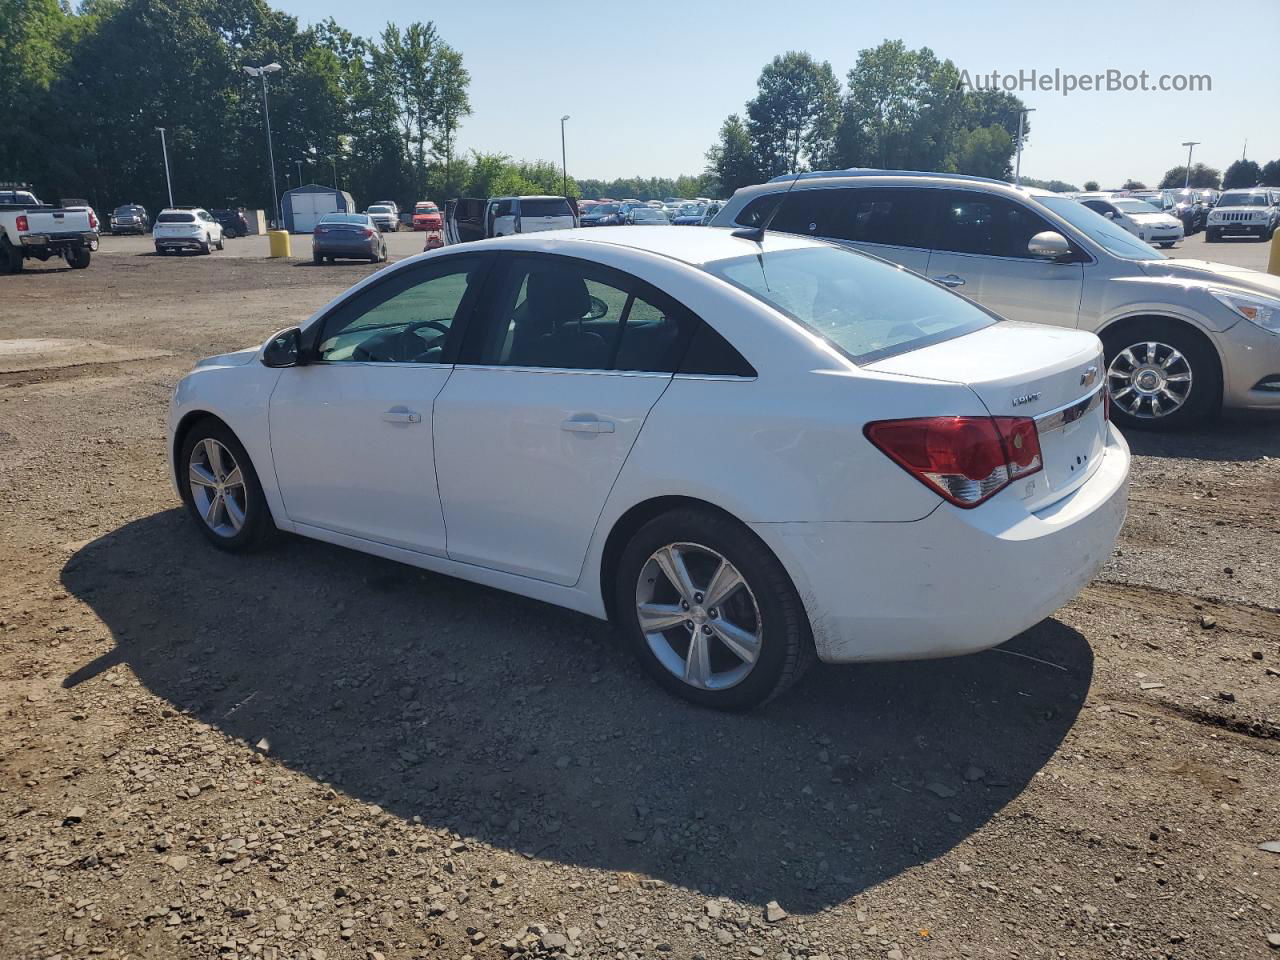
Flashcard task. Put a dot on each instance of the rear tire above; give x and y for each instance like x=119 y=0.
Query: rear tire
x=765 y=606
x=79 y=258
x=10 y=257
x=256 y=527
x=1175 y=358
x=316 y=258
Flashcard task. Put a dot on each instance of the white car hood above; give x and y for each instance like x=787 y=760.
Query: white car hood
x=1154 y=219
x=237 y=359
x=1210 y=273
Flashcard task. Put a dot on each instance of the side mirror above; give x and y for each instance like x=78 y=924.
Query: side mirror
x=1109 y=215
x=284 y=349
x=1049 y=245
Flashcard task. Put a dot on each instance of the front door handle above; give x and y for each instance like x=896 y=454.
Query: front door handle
x=950 y=280
x=401 y=415
x=587 y=426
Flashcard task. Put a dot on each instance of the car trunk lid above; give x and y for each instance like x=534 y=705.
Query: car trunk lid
x=1054 y=376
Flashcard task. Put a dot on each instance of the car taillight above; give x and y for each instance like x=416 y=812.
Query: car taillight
x=368 y=232
x=93 y=221
x=22 y=223
x=966 y=460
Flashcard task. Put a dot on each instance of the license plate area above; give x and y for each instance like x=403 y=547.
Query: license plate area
x=1072 y=440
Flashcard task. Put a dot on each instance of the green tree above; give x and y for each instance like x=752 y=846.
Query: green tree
x=1090 y=186
x=451 y=80
x=1133 y=185
x=792 y=119
x=1057 y=186
x=1271 y=173
x=1201 y=176
x=983 y=152
x=1242 y=173
x=731 y=161
x=33 y=36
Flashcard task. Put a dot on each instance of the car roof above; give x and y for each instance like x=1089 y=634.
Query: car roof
x=854 y=179
x=694 y=247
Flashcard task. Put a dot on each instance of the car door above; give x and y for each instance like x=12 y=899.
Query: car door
x=558 y=372
x=351 y=430
x=980 y=250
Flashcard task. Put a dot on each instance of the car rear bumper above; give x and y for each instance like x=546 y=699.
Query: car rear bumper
x=48 y=240
x=180 y=243
x=345 y=248
x=957 y=581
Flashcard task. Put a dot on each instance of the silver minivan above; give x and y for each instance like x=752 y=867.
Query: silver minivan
x=471 y=219
x=1182 y=337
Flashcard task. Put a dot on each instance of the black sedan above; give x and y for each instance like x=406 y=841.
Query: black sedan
x=603 y=215
x=351 y=236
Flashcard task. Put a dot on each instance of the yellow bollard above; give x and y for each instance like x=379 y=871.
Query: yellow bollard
x=279 y=240
x=1273 y=265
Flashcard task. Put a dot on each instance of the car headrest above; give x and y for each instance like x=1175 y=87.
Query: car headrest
x=555 y=295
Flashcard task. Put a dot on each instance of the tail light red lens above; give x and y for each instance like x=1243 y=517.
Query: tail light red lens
x=21 y=223
x=368 y=231
x=966 y=460
x=93 y=221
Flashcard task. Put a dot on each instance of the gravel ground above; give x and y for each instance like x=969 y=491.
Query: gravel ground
x=309 y=753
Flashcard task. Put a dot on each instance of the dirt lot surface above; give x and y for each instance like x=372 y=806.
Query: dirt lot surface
x=308 y=753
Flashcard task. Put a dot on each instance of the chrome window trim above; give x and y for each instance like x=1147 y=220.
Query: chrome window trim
x=1069 y=412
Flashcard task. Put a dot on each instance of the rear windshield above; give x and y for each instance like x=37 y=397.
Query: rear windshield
x=177 y=218
x=865 y=308
x=552 y=207
x=344 y=218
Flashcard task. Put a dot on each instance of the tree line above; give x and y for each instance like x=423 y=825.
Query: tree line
x=84 y=92
x=899 y=109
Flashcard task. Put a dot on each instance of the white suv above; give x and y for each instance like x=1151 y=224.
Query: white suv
x=186 y=228
x=1182 y=337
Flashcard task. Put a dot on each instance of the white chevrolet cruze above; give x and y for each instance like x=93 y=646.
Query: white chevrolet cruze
x=745 y=449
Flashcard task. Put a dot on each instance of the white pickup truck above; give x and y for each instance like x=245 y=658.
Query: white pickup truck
x=31 y=230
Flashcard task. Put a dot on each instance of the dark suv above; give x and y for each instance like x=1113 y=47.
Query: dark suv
x=129 y=218
x=1192 y=208
x=233 y=222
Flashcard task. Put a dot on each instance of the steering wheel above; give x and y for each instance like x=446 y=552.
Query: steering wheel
x=441 y=325
x=598 y=309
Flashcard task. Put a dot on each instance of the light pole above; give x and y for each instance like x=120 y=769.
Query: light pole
x=299 y=163
x=1190 y=145
x=333 y=160
x=165 y=150
x=1017 y=169
x=271 y=157
x=564 y=169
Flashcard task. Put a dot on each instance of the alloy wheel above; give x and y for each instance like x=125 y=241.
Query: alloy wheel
x=699 y=616
x=217 y=487
x=1149 y=380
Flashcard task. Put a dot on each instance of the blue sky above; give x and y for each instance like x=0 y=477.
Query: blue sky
x=647 y=84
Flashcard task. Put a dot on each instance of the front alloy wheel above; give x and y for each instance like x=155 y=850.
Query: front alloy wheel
x=1149 y=380
x=217 y=487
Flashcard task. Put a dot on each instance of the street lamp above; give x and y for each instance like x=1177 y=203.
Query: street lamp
x=333 y=161
x=1190 y=145
x=299 y=163
x=1017 y=169
x=165 y=150
x=271 y=158
x=564 y=170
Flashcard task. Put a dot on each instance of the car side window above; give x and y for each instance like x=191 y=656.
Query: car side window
x=564 y=313
x=987 y=225
x=405 y=319
x=811 y=213
x=899 y=218
x=505 y=208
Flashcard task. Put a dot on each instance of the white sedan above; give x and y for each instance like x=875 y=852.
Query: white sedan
x=1140 y=218
x=745 y=450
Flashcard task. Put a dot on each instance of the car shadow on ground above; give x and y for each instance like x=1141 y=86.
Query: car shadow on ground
x=1234 y=436
x=527 y=727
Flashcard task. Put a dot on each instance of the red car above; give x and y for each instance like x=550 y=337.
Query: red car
x=426 y=216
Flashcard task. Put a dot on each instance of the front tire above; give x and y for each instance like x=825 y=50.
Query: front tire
x=1161 y=375
x=1212 y=236
x=221 y=489
x=710 y=611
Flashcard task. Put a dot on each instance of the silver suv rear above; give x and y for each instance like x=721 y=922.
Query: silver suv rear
x=1182 y=337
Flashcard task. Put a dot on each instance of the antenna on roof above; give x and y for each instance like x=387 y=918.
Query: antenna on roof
x=757 y=233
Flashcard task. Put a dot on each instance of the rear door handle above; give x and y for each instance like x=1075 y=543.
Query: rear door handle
x=401 y=415
x=950 y=280
x=587 y=426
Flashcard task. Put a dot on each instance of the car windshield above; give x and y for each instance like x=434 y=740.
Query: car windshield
x=647 y=213
x=1184 y=196
x=425 y=208
x=1134 y=206
x=177 y=218
x=379 y=209
x=864 y=307
x=603 y=209
x=1243 y=200
x=545 y=207
x=692 y=210
x=1114 y=239
x=128 y=211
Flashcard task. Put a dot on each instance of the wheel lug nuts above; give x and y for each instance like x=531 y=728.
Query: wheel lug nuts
x=713 y=613
x=684 y=604
x=706 y=630
x=697 y=598
x=688 y=624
